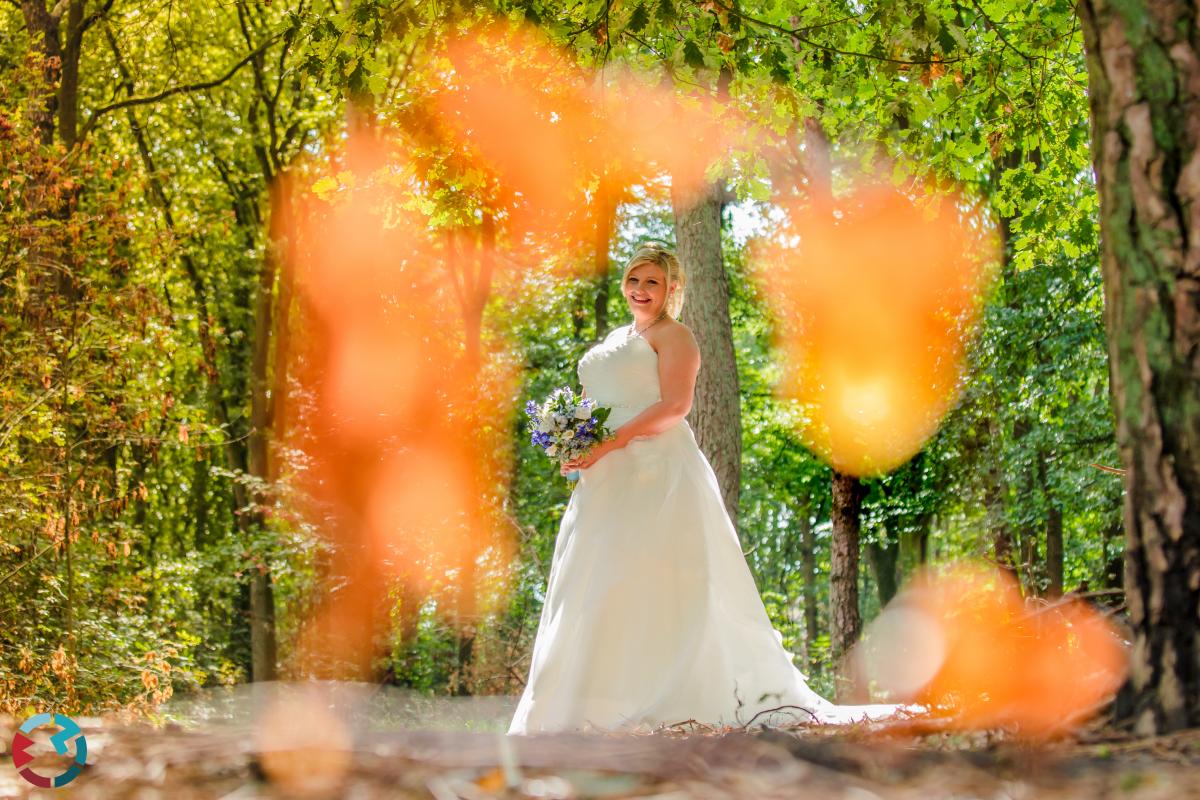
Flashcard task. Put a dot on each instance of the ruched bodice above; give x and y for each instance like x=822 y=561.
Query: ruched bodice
x=621 y=373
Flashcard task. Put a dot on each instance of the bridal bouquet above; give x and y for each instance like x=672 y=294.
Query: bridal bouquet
x=565 y=425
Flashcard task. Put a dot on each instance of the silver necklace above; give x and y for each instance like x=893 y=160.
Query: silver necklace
x=662 y=315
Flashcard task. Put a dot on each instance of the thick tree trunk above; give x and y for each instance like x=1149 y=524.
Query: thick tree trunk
x=845 y=622
x=262 y=593
x=716 y=415
x=46 y=37
x=68 y=88
x=1144 y=88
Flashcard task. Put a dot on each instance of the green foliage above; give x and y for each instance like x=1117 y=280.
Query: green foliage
x=130 y=269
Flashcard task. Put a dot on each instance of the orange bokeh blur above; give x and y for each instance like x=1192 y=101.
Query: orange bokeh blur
x=963 y=642
x=402 y=437
x=523 y=112
x=395 y=245
x=302 y=745
x=518 y=109
x=876 y=294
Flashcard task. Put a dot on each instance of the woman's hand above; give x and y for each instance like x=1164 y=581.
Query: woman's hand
x=591 y=456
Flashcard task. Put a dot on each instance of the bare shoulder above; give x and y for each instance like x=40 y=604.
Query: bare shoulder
x=672 y=335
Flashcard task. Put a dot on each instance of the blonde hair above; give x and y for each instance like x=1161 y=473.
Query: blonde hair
x=656 y=253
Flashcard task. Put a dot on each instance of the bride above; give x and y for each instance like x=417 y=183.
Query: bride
x=651 y=614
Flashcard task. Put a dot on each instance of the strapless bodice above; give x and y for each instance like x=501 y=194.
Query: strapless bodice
x=621 y=373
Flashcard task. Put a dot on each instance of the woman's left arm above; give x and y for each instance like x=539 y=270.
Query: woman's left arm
x=678 y=365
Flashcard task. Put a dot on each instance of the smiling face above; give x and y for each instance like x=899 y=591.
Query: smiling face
x=646 y=291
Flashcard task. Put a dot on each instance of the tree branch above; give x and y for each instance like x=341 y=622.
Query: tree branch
x=94 y=17
x=999 y=33
x=22 y=566
x=174 y=90
x=798 y=33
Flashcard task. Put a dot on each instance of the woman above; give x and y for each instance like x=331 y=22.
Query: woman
x=651 y=614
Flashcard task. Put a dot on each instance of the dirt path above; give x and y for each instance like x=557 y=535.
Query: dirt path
x=139 y=761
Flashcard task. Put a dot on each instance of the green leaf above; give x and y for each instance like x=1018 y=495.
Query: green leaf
x=639 y=19
x=325 y=187
x=377 y=83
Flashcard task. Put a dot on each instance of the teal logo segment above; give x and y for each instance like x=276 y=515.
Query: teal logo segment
x=62 y=741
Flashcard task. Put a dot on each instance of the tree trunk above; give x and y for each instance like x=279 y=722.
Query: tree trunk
x=716 y=413
x=46 y=37
x=1054 y=533
x=262 y=627
x=68 y=88
x=470 y=260
x=1028 y=567
x=283 y=239
x=262 y=594
x=808 y=561
x=60 y=89
x=1054 y=552
x=914 y=547
x=885 y=560
x=845 y=622
x=1143 y=73
x=998 y=530
x=606 y=210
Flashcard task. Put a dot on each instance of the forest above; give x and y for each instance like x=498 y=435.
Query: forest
x=277 y=278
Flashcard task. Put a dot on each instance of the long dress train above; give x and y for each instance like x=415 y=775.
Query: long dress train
x=651 y=613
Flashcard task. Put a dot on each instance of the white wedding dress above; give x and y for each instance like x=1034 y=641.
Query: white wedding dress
x=651 y=614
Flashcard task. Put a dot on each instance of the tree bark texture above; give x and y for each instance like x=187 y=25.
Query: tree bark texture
x=845 y=622
x=1144 y=89
x=716 y=414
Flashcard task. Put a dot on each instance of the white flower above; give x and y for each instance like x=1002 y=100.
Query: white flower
x=570 y=434
x=560 y=420
x=583 y=412
x=551 y=450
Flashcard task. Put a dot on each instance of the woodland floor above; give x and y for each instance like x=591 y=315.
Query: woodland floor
x=859 y=763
